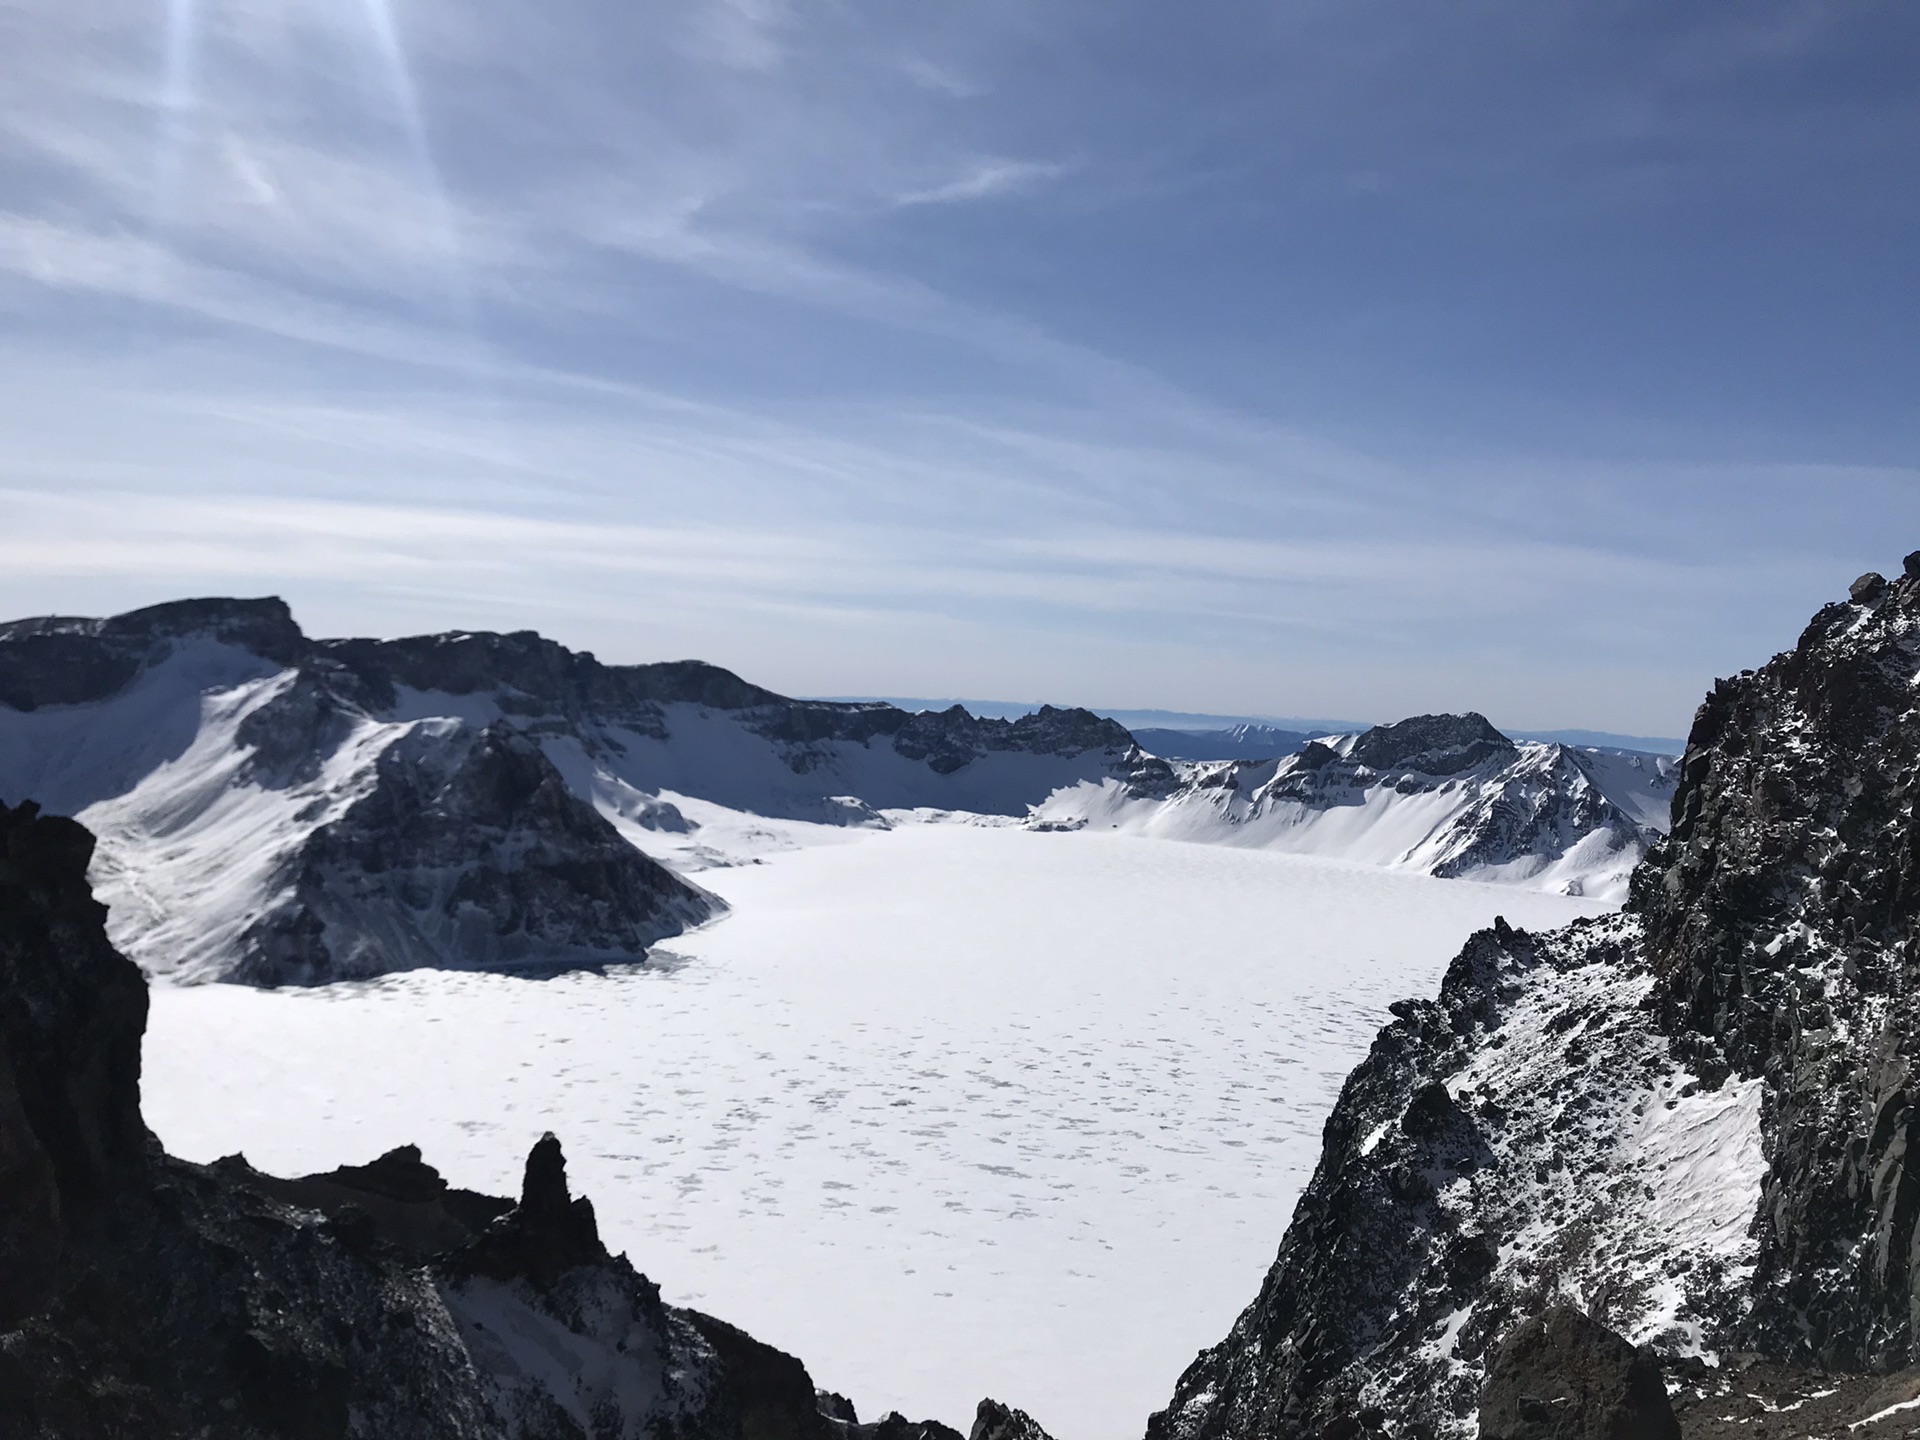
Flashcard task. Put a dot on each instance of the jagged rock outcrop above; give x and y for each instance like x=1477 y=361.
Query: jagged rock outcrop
x=994 y=1421
x=142 y=1295
x=1785 y=927
x=1692 y=1119
x=1562 y=1377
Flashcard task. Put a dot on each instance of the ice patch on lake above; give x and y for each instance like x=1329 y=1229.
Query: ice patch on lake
x=948 y=1110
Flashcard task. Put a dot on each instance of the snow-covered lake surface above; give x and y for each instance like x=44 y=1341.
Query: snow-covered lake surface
x=948 y=1111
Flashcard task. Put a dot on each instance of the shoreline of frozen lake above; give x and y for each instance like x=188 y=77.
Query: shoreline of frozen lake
x=948 y=1111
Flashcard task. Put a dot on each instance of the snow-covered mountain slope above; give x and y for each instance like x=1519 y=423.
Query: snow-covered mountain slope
x=278 y=810
x=1447 y=795
x=257 y=823
x=1694 y=1119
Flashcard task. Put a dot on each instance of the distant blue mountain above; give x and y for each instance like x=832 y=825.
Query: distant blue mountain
x=1236 y=742
x=1605 y=740
x=1185 y=734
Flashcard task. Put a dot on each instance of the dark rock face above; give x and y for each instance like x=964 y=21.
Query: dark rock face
x=1431 y=744
x=895 y=1426
x=61 y=660
x=1784 y=920
x=1562 y=1377
x=162 y=1304
x=469 y=850
x=144 y=1296
x=1526 y=1137
x=994 y=1421
x=69 y=1032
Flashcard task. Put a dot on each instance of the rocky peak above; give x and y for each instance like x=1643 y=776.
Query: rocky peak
x=994 y=1421
x=1431 y=744
x=1783 y=919
x=66 y=660
x=547 y=1234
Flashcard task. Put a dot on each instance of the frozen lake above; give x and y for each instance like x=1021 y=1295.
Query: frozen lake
x=947 y=1111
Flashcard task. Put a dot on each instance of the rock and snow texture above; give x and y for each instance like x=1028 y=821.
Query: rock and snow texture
x=271 y=822
x=1694 y=1119
x=279 y=810
x=274 y=810
x=1446 y=795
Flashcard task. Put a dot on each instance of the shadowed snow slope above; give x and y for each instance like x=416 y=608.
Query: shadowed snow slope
x=277 y=810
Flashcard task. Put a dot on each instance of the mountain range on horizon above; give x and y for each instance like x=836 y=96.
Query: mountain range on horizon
x=332 y=809
x=1195 y=722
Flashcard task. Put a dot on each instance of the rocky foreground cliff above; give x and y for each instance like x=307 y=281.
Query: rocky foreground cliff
x=141 y=1295
x=1696 y=1120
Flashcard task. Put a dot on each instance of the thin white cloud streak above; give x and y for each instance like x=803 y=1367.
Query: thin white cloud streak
x=983 y=180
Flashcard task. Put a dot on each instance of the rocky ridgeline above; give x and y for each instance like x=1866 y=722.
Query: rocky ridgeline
x=540 y=684
x=1537 y=801
x=1696 y=1121
x=440 y=800
x=1444 y=795
x=144 y=1296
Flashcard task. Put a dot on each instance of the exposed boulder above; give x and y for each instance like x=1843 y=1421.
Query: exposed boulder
x=1564 y=1377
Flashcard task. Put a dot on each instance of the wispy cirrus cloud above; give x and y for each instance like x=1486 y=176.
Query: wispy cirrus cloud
x=983 y=180
x=1290 y=343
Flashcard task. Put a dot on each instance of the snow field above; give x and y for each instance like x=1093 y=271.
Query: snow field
x=949 y=1110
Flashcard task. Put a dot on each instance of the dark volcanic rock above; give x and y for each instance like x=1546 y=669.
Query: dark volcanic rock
x=895 y=1426
x=1783 y=917
x=770 y=1391
x=468 y=851
x=994 y=1421
x=60 y=660
x=72 y=1011
x=1562 y=1377
x=1431 y=744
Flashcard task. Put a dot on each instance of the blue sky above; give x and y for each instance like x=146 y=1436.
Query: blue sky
x=1316 y=358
